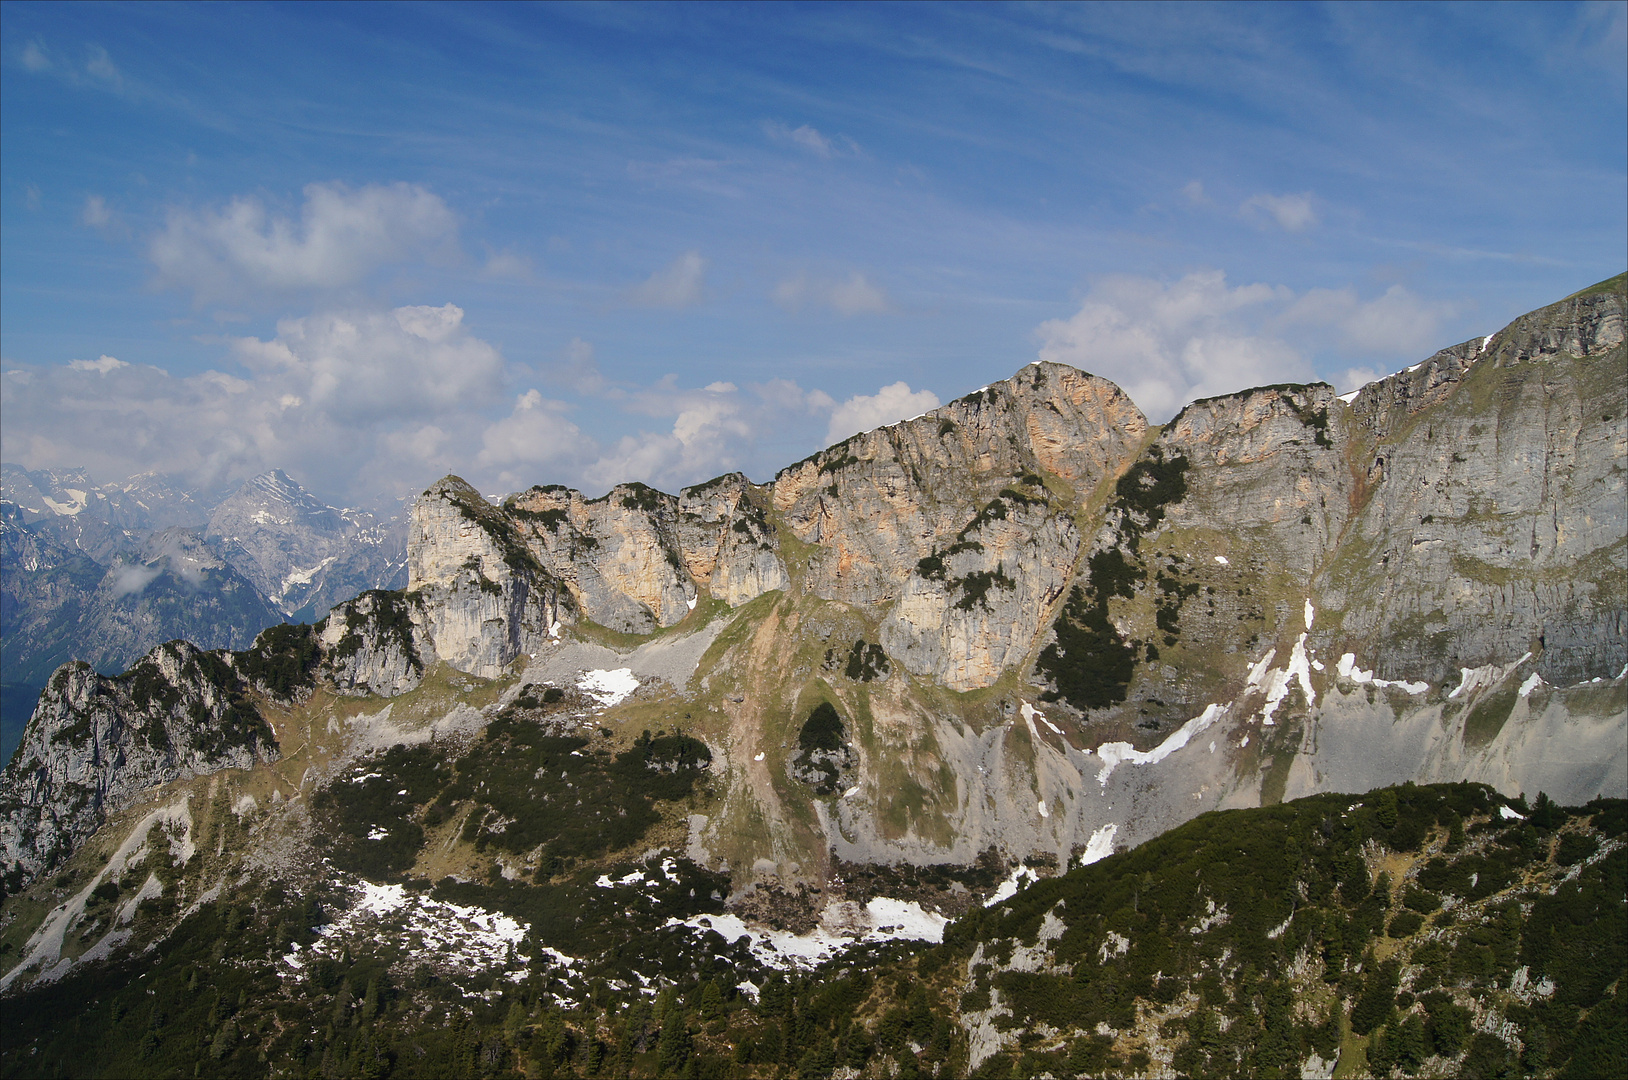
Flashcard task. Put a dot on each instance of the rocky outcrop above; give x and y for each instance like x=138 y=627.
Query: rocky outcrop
x=973 y=608
x=726 y=541
x=479 y=595
x=875 y=505
x=635 y=559
x=96 y=744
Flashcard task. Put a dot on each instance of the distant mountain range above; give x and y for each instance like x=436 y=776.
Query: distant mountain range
x=104 y=572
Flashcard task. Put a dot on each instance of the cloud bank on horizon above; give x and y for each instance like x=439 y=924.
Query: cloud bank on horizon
x=457 y=251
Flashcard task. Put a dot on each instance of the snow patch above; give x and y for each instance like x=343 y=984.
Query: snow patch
x=1348 y=669
x=1299 y=670
x=1019 y=878
x=1115 y=753
x=1508 y=814
x=1311 y=613
x=692 y=602
x=610 y=687
x=1222 y=559
x=1101 y=844
x=842 y=925
x=1533 y=681
x=303 y=577
x=1472 y=679
x=1043 y=811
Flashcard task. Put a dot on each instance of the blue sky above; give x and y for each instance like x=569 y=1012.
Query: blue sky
x=372 y=244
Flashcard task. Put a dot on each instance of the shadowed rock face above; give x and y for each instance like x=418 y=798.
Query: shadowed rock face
x=95 y=744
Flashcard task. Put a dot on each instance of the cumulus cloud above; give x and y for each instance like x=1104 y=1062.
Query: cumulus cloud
x=103 y=364
x=534 y=436
x=361 y=401
x=1167 y=344
x=680 y=284
x=342 y=236
x=890 y=404
x=854 y=296
x=1292 y=213
x=810 y=139
x=1397 y=322
x=715 y=429
x=1194 y=192
x=412 y=361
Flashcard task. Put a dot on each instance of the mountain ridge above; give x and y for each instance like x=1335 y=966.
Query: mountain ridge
x=965 y=647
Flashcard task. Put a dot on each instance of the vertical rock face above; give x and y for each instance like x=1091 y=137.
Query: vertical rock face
x=482 y=597
x=877 y=504
x=1490 y=517
x=377 y=643
x=973 y=608
x=94 y=744
x=726 y=540
x=635 y=558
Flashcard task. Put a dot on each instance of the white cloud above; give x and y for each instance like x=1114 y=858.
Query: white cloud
x=715 y=429
x=680 y=284
x=1195 y=193
x=1167 y=344
x=103 y=364
x=360 y=402
x=1293 y=213
x=579 y=369
x=133 y=578
x=31 y=196
x=888 y=405
x=34 y=58
x=506 y=264
x=1397 y=322
x=95 y=212
x=98 y=70
x=413 y=361
x=100 y=66
x=810 y=139
x=1356 y=377
x=342 y=237
x=855 y=296
x=534 y=435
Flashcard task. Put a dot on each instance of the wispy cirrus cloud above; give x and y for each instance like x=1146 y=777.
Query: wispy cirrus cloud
x=1291 y=213
x=95 y=69
x=811 y=139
